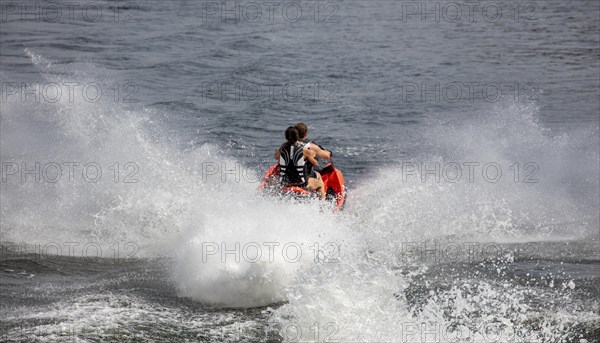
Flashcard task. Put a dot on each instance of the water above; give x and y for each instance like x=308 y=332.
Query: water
x=469 y=141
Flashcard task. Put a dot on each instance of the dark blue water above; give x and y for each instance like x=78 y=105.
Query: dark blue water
x=456 y=124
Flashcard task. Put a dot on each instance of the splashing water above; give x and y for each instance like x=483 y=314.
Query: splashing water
x=173 y=210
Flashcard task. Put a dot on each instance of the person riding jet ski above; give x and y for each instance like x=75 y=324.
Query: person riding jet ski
x=296 y=162
x=320 y=152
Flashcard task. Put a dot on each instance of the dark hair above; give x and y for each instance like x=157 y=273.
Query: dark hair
x=291 y=135
x=302 y=129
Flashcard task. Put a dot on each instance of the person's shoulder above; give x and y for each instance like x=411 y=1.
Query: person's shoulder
x=315 y=146
x=307 y=149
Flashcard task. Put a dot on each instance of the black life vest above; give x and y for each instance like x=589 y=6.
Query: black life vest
x=292 y=164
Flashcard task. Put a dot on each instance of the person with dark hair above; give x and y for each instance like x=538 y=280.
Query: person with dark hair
x=295 y=164
x=320 y=152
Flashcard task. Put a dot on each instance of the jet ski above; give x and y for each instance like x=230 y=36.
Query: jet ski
x=332 y=179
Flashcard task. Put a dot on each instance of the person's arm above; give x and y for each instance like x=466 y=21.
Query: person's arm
x=277 y=154
x=320 y=152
